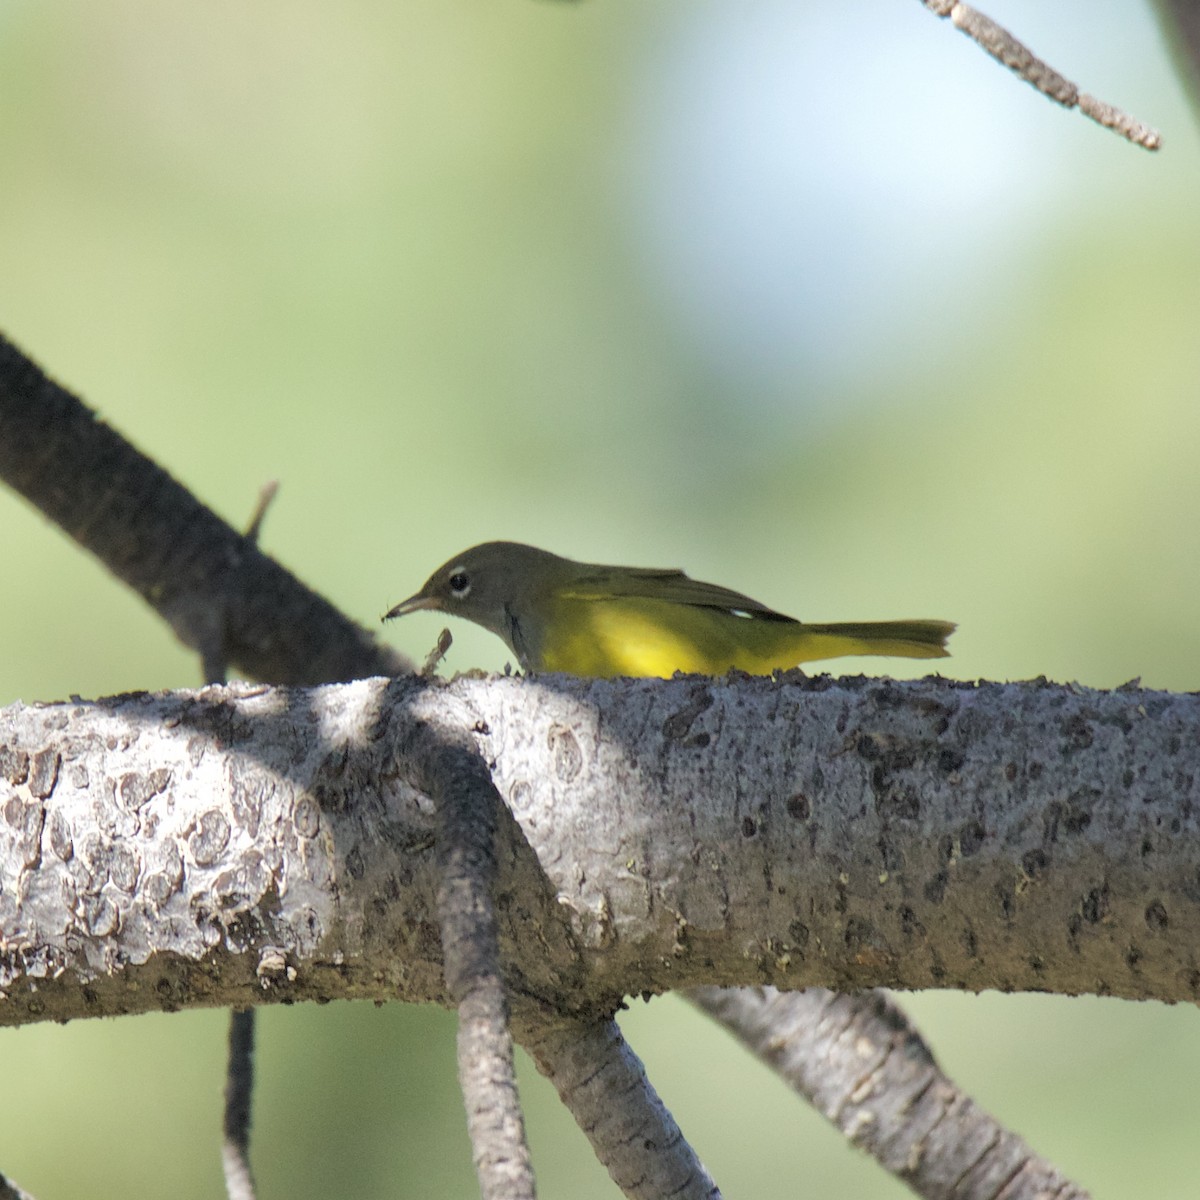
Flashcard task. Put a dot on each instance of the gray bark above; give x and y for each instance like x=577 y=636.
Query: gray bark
x=859 y=1062
x=604 y=1085
x=238 y=845
x=438 y=757
x=1018 y=58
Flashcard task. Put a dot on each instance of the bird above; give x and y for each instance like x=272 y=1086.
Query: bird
x=559 y=615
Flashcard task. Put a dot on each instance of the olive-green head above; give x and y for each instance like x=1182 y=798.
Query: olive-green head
x=493 y=584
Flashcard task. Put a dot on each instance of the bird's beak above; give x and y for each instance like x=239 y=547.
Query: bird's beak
x=417 y=603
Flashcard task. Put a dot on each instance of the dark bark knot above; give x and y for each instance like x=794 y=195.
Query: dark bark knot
x=62 y=841
x=971 y=837
x=135 y=790
x=307 y=817
x=1077 y=734
x=27 y=819
x=209 y=837
x=675 y=728
x=1071 y=816
x=799 y=807
x=895 y=798
x=125 y=868
x=167 y=879
x=14 y=765
x=102 y=917
x=1095 y=905
x=43 y=773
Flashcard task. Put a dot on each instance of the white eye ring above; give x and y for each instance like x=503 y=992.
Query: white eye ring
x=460 y=583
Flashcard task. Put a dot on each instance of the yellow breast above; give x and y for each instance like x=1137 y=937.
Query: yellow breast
x=638 y=636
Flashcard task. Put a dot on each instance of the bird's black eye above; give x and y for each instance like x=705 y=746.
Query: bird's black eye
x=460 y=584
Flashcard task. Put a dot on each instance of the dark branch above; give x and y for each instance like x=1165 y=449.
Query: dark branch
x=239 y=1090
x=217 y=590
x=1181 y=23
x=10 y=1191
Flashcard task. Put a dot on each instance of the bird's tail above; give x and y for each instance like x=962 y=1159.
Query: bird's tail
x=905 y=639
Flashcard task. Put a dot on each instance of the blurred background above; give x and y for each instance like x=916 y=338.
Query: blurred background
x=812 y=300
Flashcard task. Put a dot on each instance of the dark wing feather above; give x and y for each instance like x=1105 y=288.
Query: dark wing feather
x=674 y=587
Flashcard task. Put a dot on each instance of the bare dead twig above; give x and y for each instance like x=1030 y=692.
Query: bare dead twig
x=239 y=1090
x=435 y=656
x=266 y=498
x=1006 y=49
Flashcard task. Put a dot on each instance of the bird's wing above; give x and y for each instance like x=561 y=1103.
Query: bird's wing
x=670 y=586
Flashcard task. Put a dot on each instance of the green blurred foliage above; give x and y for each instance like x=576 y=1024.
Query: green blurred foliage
x=395 y=256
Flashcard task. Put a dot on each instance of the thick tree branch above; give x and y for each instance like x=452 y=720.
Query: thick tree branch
x=205 y=848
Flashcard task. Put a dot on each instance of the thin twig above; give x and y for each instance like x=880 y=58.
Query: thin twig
x=266 y=496
x=435 y=656
x=1006 y=49
x=239 y=1089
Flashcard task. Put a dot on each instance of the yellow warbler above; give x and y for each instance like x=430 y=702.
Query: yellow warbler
x=585 y=619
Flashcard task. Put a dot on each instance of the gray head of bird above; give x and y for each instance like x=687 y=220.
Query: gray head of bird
x=488 y=584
